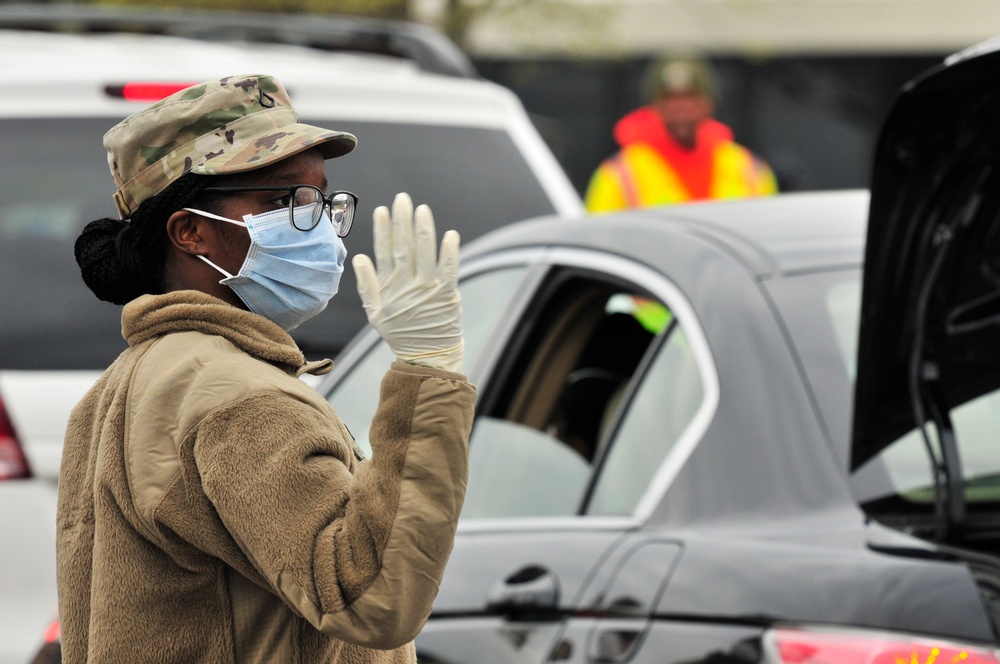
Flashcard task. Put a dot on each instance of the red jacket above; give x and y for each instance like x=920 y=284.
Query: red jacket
x=654 y=169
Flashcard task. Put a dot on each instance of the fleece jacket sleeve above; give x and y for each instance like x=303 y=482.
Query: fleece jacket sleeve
x=359 y=556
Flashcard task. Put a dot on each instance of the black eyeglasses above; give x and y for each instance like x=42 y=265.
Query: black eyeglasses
x=340 y=205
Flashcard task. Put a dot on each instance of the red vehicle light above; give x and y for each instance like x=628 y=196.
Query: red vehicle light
x=52 y=632
x=51 y=649
x=816 y=646
x=13 y=464
x=144 y=91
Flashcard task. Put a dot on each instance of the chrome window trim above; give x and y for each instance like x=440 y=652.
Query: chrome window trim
x=500 y=259
x=657 y=284
x=368 y=337
x=548 y=524
x=529 y=258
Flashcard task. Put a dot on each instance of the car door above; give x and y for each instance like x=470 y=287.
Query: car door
x=594 y=383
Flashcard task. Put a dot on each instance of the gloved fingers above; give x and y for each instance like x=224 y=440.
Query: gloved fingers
x=382 y=234
x=402 y=234
x=368 y=282
x=448 y=270
x=426 y=244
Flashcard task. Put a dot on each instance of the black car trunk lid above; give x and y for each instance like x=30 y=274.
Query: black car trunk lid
x=930 y=325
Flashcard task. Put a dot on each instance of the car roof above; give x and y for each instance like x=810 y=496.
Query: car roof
x=424 y=46
x=778 y=235
x=69 y=73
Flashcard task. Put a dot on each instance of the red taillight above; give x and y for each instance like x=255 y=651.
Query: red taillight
x=144 y=91
x=809 y=646
x=51 y=650
x=13 y=464
x=52 y=633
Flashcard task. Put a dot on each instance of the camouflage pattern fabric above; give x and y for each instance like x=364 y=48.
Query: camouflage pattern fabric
x=232 y=125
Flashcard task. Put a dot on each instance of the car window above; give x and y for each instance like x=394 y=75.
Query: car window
x=842 y=303
x=907 y=469
x=484 y=298
x=538 y=444
x=663 y=406
x=899 y=481
x=821 y=311
x=50 y=320
x=518 y=471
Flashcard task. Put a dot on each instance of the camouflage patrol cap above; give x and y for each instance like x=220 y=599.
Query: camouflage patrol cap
x=681 y=75
x=235 y=124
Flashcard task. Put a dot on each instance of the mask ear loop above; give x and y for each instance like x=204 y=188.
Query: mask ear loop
x=215 y=216
x=228 y=276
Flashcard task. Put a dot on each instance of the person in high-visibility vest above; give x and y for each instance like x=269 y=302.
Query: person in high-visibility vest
x=674 y=151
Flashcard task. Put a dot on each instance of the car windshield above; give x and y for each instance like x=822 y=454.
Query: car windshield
x=822 y=314
x=50 y=320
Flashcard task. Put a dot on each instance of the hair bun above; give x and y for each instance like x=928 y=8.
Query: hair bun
x=108 y=264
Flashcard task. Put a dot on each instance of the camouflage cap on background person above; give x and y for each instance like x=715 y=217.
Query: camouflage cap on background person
x=235 y=124
x=681 y=75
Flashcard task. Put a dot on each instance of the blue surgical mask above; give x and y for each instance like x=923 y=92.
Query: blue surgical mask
x=289 y=275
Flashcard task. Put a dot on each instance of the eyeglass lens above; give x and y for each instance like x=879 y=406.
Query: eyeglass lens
x=340 y=206
x=342 y=212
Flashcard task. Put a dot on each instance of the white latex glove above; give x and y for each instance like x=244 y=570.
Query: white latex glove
x=413 y=299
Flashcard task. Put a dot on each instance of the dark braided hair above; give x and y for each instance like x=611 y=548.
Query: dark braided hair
x=121 y=260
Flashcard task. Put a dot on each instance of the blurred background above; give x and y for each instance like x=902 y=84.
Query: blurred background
x=804 y=83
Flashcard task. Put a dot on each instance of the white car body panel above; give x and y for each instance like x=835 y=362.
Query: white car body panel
x=357 y=83
x=65 y=76
x=39 y=403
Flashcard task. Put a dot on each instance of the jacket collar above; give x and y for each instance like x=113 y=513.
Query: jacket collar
x=151 y=316
x=644 y=125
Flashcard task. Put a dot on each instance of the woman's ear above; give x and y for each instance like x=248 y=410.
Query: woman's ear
x=186 y=232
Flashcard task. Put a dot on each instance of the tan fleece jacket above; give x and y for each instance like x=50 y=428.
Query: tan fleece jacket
x=212 y=507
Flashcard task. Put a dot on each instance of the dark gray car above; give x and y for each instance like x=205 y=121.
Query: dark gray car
x=663 y=466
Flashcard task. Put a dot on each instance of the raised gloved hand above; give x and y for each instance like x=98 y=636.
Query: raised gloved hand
x=413 y=299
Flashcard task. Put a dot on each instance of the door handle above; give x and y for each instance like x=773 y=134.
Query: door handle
x=614 y=645
x=530 y=590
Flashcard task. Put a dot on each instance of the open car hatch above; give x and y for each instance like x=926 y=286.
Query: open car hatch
x=930 y=319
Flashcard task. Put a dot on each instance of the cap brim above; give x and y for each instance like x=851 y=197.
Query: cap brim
x=280 y=144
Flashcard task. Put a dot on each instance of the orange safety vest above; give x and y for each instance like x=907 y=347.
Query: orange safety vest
x=651 y=169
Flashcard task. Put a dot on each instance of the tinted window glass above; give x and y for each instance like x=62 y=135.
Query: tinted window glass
x=484 y=297
x=474 y=179
x=897 y=485
x=519 y=471
x=661 y=409
x=821 y=312
x=534 y=452
x=907 y=470
x=49 y=319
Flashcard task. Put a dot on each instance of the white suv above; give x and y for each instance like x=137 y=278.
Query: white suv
x=462 y=145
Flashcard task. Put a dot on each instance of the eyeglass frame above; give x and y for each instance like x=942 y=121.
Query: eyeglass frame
x=327 y=202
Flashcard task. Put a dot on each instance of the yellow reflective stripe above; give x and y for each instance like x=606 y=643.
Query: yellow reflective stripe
x=737 y=173
x=628 y=187
x=604 y=192
x=656 y=180
x=640 y=177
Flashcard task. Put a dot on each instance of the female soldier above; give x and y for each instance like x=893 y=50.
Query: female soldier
x=212 y=507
